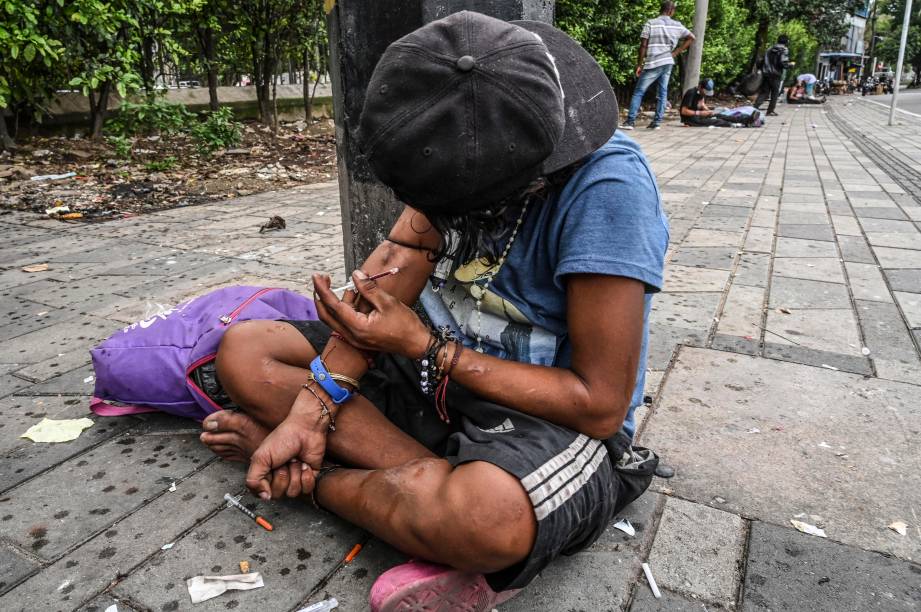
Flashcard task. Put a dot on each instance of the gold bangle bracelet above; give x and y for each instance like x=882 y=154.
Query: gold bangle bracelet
x=342 y=378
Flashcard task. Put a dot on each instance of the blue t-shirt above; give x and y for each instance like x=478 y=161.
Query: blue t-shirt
x=608 y=219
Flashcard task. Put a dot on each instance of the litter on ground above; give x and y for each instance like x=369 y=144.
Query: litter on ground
x=203 y=588
x=625 y=526
x=807 y=528
x=652 y=581
x=52 y=430
x=899 y=527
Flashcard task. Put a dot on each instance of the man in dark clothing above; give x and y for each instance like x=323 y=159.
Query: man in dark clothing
x=776 y=60
x=694 y=110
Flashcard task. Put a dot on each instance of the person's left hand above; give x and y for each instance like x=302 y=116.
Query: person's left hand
x=391 y=326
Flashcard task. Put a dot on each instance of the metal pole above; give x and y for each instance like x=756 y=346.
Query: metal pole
x=898 y=66
x=692 y=69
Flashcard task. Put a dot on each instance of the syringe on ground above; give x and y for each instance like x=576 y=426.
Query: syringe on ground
x=233 y=502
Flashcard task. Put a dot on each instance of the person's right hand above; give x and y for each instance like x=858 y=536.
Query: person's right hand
x=639 y=71
x=301 y=437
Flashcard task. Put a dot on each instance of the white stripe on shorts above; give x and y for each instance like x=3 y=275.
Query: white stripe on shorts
x=573 y=486
x=550 y=485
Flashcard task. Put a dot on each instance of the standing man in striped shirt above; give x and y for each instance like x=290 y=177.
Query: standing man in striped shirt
x=658 y=51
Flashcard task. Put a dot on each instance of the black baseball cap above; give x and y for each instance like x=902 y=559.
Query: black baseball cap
x=469 y=109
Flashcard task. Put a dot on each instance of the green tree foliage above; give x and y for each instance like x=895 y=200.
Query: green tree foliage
x=890 y=30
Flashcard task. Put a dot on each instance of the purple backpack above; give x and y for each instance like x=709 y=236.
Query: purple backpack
x=147 y=366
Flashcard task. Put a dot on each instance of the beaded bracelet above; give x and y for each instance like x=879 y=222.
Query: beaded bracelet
x=324 y=409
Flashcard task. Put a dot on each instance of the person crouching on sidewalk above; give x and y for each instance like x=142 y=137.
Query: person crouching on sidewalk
x=494 y=432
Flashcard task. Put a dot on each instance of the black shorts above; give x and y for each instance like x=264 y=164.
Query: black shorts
x=576 y=484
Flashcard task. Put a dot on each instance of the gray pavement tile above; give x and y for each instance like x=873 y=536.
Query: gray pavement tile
x=742 y=310
x=799 y=293
x=10 y=383
x=17 y=414
x=855 y=249
x=80 y=332
x=904 y=280
x=788 y=570
x=796 y=247
x=692 y=310
x=644 y=601
x=810 y=268
x=728 y=224
x=759 y=239
x=747 y=345
x=109 y=481
x=698 y=551
x=31 y=459
x=55 y=366
x=846 y=224
x=839 y=207
x=304 y=546
x=14 y=566
x=775 y=348
x=822 y=434
x=103 y=602
x=21 y=316
x=887 y=225
x=165 y=265
x=898 y=258
x=798 y=217
x=86 y=293
x=687 y=278
x=721 y=210
x=871 y=212
x=910 y=303
x=808 y=232
x=80 y=381
x=712 y=238
x=866 y=282
x=901 y=240
x=664 y=339
x=752 y=270
x=718 y=258
x=126 y=543
x=891 y=348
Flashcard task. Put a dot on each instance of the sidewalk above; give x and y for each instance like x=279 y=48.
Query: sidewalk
x=784 y=368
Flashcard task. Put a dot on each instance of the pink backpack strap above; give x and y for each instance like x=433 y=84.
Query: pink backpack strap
x=101 y=408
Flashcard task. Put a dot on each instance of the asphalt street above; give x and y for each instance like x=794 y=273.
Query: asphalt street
x=909 y=100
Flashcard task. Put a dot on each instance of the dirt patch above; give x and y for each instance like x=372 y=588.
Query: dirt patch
x=162 y=171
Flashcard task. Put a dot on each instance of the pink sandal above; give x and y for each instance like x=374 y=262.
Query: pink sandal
x=418 y=586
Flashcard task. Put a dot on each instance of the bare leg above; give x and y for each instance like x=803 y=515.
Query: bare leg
x=474 y=517
x=259 y=364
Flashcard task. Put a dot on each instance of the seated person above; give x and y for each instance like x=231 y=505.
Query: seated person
x=494 y=433
x=694 y=110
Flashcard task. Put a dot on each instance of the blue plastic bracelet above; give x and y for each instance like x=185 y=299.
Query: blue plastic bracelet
x=321 y=375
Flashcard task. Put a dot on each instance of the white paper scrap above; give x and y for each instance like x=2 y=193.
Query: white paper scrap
x=172 y=488
x=203 y=588
x=167 y=546
x=899 y=527
x=112 y=608
x=625 y=526
x=807 y=528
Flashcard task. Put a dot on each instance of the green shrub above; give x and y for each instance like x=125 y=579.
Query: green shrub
x=161 y=165
x=122 y=146
x=218 y=130
x=153 y=116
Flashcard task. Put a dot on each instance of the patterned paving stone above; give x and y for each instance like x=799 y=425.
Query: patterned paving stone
x=717 y=258
x=830 y=437
x=826 y=269
x=867 y=283
x=898 y=258
x=910 y=303
x=112 y=480
x=796 y=247
x=788 y=570
x=808 y=232
x=831 y=330
x=741 y=315
x=717 y=536
x=855 y=249
x=904 y=280
x=901 y=240
x=752 y=270
x=687 y=278
x=891 y=348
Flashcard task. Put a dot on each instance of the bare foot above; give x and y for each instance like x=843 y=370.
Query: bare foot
x=232 y=435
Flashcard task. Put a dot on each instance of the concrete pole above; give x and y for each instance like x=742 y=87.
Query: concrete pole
x=359 y=32
x=898 y=66
x=692 y=68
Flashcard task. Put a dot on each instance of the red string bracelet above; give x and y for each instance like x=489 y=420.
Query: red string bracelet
x=441 y=393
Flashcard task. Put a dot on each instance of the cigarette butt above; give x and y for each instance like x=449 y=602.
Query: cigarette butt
x=652 y=581
x=353 y=553
x=244 y=567
x=263 y=523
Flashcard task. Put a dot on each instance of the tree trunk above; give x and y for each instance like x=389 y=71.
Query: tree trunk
x=98 y=107
x=308 y=99
x=147 y=64
x=212 y=68
x=760 y=41
x=6 y=141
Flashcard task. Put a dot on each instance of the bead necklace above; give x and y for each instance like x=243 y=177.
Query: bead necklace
x=492 y=274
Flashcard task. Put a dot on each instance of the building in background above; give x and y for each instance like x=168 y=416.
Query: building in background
x=846 y=61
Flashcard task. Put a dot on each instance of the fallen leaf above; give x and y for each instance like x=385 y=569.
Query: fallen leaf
x=42 y=267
